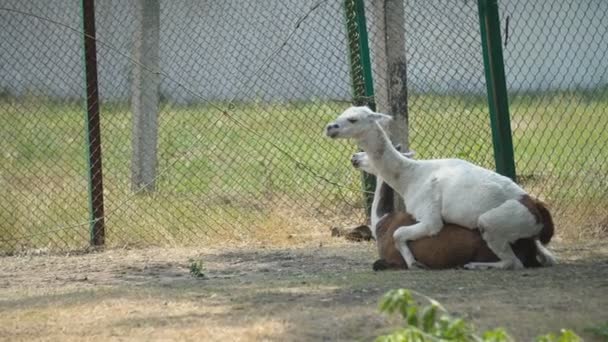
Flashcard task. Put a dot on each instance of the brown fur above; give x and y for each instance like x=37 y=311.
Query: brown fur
x=530 y=204
x=452 y=247
x=542 y=215
x=548 y=228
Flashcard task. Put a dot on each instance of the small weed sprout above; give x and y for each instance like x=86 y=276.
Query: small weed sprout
x=433 y=323
x=197 y=269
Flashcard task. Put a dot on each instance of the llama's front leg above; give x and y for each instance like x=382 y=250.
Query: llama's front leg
x=500 y=226
x=504 y=252
x=430 y=223
x=416 y=231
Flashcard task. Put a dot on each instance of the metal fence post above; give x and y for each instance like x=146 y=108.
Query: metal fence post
x=361 y=73
x=93 y=129
x=489 y=24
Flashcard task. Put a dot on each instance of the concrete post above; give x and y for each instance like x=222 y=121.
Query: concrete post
x=145 y=95
x=391 y=69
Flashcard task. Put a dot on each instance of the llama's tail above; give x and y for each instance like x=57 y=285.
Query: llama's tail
x=548 y=229
x=545 y=257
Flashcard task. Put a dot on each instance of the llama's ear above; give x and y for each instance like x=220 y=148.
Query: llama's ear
x=381 y=118
x=409 y=154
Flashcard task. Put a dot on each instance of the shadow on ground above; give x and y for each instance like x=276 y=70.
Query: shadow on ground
x=327 y=293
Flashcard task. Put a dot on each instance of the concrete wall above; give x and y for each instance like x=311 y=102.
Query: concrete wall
x=228 y=49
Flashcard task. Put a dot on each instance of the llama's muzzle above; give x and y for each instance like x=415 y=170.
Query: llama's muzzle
x=355 y=161
x=332 y=130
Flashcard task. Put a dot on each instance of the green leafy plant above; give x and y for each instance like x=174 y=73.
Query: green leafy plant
x=433 y=323
x=564 y=336
x=600 y=330
x=197 y=269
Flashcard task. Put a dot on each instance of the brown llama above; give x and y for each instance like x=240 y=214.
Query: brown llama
x=454 y=245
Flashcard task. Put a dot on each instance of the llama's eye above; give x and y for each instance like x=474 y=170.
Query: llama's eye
x=352 y=120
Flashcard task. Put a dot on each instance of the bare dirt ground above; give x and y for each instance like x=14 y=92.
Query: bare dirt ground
x=311 y=293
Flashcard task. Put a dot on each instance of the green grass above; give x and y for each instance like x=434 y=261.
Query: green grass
x=197 y=269
x=600 y=330
x=214 y=176
x=217 y=178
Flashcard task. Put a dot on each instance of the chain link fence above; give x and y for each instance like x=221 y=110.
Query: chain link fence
x=212 y=114
x=556 y=66
x=556 y=59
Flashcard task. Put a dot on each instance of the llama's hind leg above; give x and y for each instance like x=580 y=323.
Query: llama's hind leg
x=546 y=258
x=501 y=226
x=502 y=248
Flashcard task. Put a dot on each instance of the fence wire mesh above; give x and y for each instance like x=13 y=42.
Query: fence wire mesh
x=212 y=114
x=556 y=60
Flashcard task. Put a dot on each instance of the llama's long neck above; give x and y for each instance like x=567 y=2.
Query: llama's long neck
x=389 y=162
x=374 y=141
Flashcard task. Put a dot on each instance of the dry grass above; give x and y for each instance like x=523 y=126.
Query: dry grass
x=145 y=317
x=308 y=293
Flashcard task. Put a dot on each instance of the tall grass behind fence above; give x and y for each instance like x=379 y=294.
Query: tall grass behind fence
x=232 y=98
x=43 y=187
x=240 y=148
x=556 y=60
x=447 y=104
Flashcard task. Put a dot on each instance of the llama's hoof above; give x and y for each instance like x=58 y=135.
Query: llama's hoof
x=502 y=265
x=381 y=265
x=418 y=266
x=516 y=265
x=476 y=266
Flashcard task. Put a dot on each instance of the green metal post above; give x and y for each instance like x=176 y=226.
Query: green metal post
x=93 y=126
x=489 y=24
x=361 y=66
x=361 y=73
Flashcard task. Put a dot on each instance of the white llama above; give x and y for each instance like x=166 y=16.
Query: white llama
x=450 y=190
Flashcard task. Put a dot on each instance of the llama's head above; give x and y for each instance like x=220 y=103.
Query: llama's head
x=360 y=160
x=354 y=122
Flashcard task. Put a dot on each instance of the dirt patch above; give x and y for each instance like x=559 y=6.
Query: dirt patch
x=316 y=293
